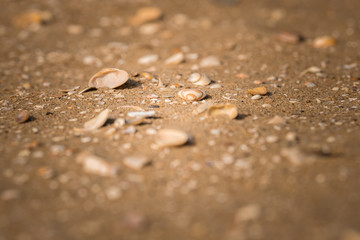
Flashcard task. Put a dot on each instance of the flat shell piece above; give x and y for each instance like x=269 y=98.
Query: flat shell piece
x=199 y=79
x=226 y=109
x=98 y=121
x=170 y=138
x=258 y=91
x=136 y=162
x=109 y=78
x=96 y=165
x=141 y=114
x=191 y=94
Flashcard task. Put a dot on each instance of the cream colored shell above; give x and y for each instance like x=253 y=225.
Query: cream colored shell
x=170 y=138
x=109 y=78
x=226 y=109
x=191 y=94
x=98 y=121
x=199 y=79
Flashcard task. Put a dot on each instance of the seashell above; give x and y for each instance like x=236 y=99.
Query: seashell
x=227 y=109
x=199 y=79
x=170 y=138
x=148 y=59
x=146 y=14
x=23 y=116
x=175 y=59
x=136 y=162
x=323 y=42
x=211 y=61
x=32 y=17
x=256 y=97
x=109 y=78
x=147 y=76
x=98 y=121
x=96 y=165
x=258 y=91
x=191 y=94
x=242 y=75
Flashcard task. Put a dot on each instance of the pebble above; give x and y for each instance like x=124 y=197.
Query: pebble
x=136 y=162
x=291 y=137
x=148 y=59
x=256 y=97
x=324 y=42
x=310 y=84
x=210 y=61
x=272 y=139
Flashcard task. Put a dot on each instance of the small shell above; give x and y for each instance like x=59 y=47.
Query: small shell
x=23 y=116
x=147 y=76
x=290 y=37
x=109 y=78
x=148 y=59
x=146 y=14
x=191 y=94
x=211 y=61
x=323 y=42
x=175 y=59
x=258 y=91
x=223 y=109
x=98 y=121
x=171 y=138
x=199 y=79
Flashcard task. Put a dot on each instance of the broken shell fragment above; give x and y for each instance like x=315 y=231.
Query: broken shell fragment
x=191 y=94
x=175 y=59
x=141 y=114
x=96 y=165
x=227 y=109
x=23 y=116
x=171 y=138
x=136 y=162
x=98 y=121
x=323 y=42
x=258 y=91
x=109 y=78
x=199 y=79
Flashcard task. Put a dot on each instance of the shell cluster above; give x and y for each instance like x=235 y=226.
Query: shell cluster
x=191 y=94
x=199 y=79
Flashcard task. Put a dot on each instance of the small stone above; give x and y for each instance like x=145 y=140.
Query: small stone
x=210 y=61
x=148 y=59
x=96 y=165
x=272 y=139
x=256 y=97
x=227 y=159
x=310 y=84
x=324 y=42
x=23 y=116
x=258 y=91
x=290 y=37
x=291 y=137
x=136 y=162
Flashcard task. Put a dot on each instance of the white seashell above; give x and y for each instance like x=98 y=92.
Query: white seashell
x=214 y=86
x=97 y=121
x=211 y=61
x=109 y=78
x=191 y=94
x=136 y=162
x=199 y=79
x=96 y=165
x=170 y=138
x=141 y=114
x=227 y=109
x=148 y=59
x=175 y=59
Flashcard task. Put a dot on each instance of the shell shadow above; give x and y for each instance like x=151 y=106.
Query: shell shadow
x=130 y=84
x=241 y=116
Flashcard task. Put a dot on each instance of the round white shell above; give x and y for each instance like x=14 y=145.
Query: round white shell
x=191 y=94
x=109 y=78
